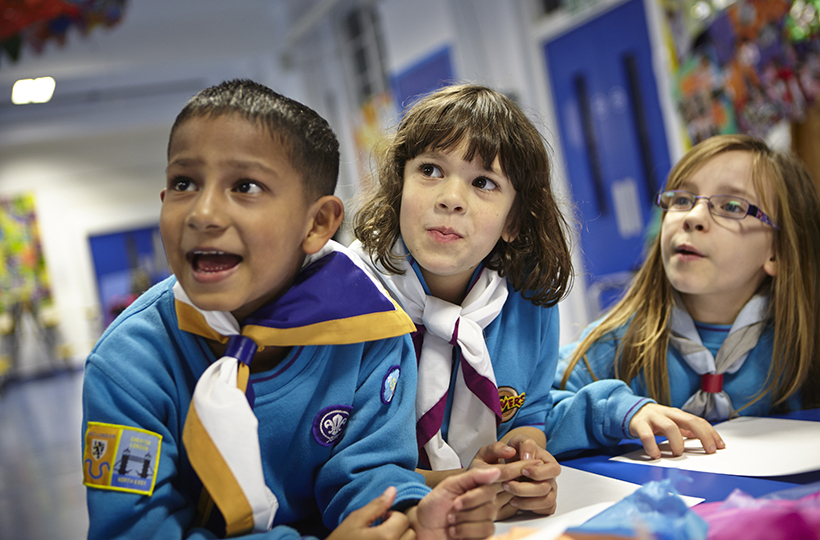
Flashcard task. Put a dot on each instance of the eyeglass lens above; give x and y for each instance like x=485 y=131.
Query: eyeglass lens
x=719 y=205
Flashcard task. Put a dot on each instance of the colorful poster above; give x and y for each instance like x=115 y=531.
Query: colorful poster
x=704 y=104
x=23 y=276
x=746 y=67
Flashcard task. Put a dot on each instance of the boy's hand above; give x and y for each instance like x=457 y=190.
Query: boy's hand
x=528 y=475
x=357 y=526
x=461 y=506
x=674 y=424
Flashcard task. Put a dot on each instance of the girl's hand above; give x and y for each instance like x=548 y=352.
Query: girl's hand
x=536 y=490
x=675 y=425
x=461 y=506
x=358 y=525
x=528 y=475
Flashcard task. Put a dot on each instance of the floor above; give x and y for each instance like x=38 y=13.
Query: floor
x=41 y=491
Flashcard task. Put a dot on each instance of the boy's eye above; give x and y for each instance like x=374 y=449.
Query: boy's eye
x=428 y=169
x=484 y=183
x=248 y=187
x=182 y=184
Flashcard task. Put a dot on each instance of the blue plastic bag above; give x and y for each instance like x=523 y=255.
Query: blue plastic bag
x=655 y=509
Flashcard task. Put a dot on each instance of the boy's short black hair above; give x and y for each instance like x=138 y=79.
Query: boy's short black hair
x=308 y=139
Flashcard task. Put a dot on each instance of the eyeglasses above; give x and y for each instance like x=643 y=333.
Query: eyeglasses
x=728 y=206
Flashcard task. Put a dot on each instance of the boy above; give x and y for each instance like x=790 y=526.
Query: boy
x=171 y=446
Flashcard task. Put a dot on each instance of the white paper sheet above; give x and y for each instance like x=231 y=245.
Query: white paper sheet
x=754 y=447
x=581 y=495
x=550 y=528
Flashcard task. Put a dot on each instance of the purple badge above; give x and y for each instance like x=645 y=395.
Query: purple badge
x=329 y=424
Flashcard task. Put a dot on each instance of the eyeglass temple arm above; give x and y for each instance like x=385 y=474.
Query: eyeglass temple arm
x=759 y=214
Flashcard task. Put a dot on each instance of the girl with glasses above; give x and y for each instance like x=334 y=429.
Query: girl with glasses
x=721 y=319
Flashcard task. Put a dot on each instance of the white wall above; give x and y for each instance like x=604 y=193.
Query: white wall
x=318 y=65
x=414 y=30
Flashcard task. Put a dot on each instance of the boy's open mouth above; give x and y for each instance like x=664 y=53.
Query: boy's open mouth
x=212 y=261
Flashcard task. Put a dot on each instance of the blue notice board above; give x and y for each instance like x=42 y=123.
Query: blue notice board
x=126 y=263
x=423 y=77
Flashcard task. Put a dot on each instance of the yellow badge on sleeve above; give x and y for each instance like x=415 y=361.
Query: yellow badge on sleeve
x=120 y=458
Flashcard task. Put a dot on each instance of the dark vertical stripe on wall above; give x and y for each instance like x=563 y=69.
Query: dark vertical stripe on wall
x=641 y=123
x=591 y=143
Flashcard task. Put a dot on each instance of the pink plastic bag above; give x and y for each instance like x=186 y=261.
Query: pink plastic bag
x=742 y=516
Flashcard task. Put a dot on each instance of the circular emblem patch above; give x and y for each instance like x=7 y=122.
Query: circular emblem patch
x=330 y=423
x=511 y=401
x=389 y=384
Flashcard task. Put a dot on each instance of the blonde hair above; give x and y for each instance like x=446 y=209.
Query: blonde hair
x=794 y=299
x=537 y=262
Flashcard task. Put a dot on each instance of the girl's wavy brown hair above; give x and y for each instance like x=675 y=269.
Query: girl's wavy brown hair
x=537 y=262
x=790 y=196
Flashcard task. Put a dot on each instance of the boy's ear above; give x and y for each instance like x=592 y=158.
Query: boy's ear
x=327 y=214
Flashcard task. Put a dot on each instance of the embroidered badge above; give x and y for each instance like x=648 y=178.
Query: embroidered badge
x=511 y=401
x=120 y=458
x=330 y=423
x=389 y=384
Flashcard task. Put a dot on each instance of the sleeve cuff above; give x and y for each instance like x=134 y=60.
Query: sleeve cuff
x=627 y=410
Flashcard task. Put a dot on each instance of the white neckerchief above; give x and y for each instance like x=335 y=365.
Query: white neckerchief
x=742 y=338
x=221 y=430
x=475 y=408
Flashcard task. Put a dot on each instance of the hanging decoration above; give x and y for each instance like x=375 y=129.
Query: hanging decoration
x=35 y=23
x=744 y=65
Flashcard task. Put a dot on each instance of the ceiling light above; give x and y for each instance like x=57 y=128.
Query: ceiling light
x=37 y=90
x=701 y=10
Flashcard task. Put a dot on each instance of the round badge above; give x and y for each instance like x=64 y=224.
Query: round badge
x=511 y=401
x=391 y=380
x=329 y=424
